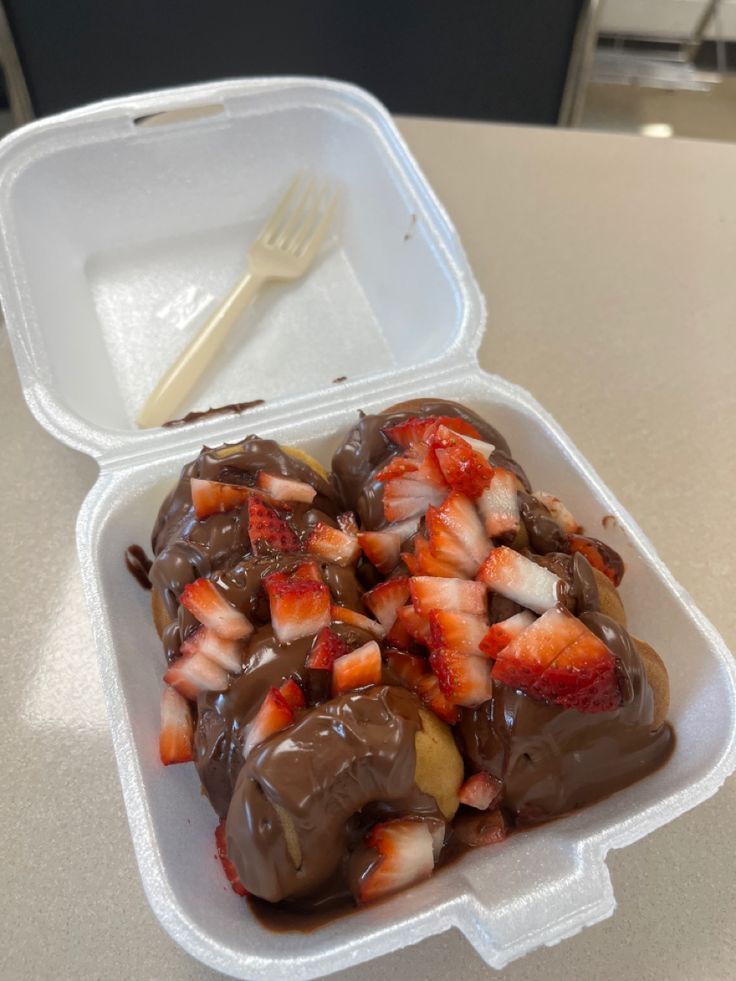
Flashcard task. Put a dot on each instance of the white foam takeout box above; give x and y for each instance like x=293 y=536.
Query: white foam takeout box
x=116 y=237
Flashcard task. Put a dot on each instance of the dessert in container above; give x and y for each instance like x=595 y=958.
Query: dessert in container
x=120 y=224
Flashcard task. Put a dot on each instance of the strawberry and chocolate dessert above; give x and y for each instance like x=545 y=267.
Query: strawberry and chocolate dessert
x=417 y=650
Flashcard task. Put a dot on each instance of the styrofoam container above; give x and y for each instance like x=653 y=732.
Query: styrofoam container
x=115 y=238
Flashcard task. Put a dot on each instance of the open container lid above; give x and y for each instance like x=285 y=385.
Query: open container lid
x=120 y=229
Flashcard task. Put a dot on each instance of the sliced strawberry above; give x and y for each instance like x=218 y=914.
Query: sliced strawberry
x=210 y=607
x=480 y=791
x=519 y=579
x=344 y=615
x=465 y=679
x=435 y=593
x=409 y=668
x=410 y=493
x=299 y=607
x=600 y=556
x=499 y=506
x=430 y=692
x=326 y=649
x=414 y=431
x=227 y=653
x=405 y=855
x=195 y=673
x=358 y=669
x=332 y=544
x=306 y=570
x=456 y=535
x=522 y=663
x=267 y=530
x=176 y=737
x=477 y=830
x=293 y=695
x=348 y=523
x=424 y=563
x=463 y=468
x=212 y=497
x=502 y=633
x=398 y=635
x=397 y=467
x=462 y=632
x=384 y=600
x=284 y=489
x=559 y=512
x=227 y=865
x=415 y=624
x=582 y=677
x=381 y=548
x=274 y=715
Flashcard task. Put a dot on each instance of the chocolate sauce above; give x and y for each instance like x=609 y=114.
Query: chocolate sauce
x=234 y=407
x=138 y=565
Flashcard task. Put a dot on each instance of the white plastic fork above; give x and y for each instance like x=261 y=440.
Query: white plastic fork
x=284 y=249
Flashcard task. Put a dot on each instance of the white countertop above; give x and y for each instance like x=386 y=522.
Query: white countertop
x=615 y=244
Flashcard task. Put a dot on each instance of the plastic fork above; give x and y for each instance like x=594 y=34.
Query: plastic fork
x=284 y=249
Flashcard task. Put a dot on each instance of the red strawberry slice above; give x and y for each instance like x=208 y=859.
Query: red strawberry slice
x=195 y=673
x=462 y=632
x=227 y=653
x=415 y=431
x=463 y=468
x=284 y=489
x=435 y=593
x=411 y=487
x=465 y=679
x=332 y=544
x=384 y=600
x=477 y=830
x=430 y=692
x=405 y=854
x=424 y=563
x=227 y=865
x=398 y=635
x=299 y=607
x=381 y=548
x=293 y=695
x=210 y=607
x=582 y=677
x=456 y=535
x=306 y=570
x=409 y=668
x=559 y=512
x=600 y=556
x=502 y=633
x=344 y=615
x=326 y=649
x=499 y=506
x=267 y=530
x=348 y=523
x=480 y=791
x=212 y=497
x=519 y=579
x=397 y=467
x=176 y=738
x=415 y=624
x=522 y=663
x=274 y=715
x=358 y=669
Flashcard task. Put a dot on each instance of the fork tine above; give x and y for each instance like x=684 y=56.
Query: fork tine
x=280 y=240
x=282 y=208
x=311 y=235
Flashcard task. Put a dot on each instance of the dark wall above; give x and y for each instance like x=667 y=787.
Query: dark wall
x=483 y=59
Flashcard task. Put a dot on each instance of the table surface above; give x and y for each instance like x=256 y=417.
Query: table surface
x=608 y=265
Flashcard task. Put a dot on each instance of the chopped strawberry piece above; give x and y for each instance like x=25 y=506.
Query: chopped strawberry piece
x=462 y=632
x=479 y=445
x=464 y=678
x=456 y=534
x=268 y=531
x=559 y=512
x=358 y=669
x=521 y=663
x=176 y=737
x=274 y=715
x=499 y=506
x=348 y=523
x=463 y=468
x=398 y=635
x=332 y=544
x=415 y=624
x=293 y=695
x=299 y=607
x=600 y=556
x=408 y=496
x=411 y=563
x=211 y=497
x=425 y=563
x=306 y=570
x=477 y=830
x=284 y=489
x=195 y=673
x=381 y=548
x=519 y=579
x=384 y=600
x=405 y=855
x=397 y=466
x=226 y=653
x=326 y=649
x=344 y=615
x=415 y=431
x=409 y=668
x=404 y=529
x=582 y=677
x=210 y=607
x=430 y=692
x=435 y=593
x=502 y=633
x=480 y=791
x=227 y=865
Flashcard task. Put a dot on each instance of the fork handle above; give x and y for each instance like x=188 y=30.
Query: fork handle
x=189 y=367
